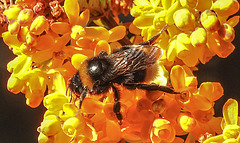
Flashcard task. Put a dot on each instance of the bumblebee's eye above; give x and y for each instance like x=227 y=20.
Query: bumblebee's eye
x=97 y=67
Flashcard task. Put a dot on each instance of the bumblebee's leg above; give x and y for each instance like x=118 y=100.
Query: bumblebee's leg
x=154 y=38
x=71 y=97
x=151 y=87
x=117 y=106
x=82 y=96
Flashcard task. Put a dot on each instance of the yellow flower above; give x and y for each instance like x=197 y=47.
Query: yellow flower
x=210 y=21
x=188 y=18
x=50 y=101
x=225 y=8
x=39 y=25
x=186 y=121
x=162 y=130
x=12 y=12
x=184 y=19
x=230 y=124
x=198 y=37
x=13 y=27
x=45 y=139
x=25 y=17
x=50 y=126
x=77 y=127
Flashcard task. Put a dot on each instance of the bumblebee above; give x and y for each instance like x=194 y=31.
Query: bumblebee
x=128 y=66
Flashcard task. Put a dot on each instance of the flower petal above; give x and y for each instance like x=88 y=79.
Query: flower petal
x=144 y=20
x=222 y=48
x=60 y=27
x=169 y=16
x=97 y=33
x=11 y=40
x=177 y=77
x=84 y=17
x=230 y=112
x=211 y=90
x=117 y=33
x=215 y=139
x=113 y=130
x=91 y=106
x=72 y=10
x=102 y=45
x=77 y=60
x=55 y=101
x=233 y=21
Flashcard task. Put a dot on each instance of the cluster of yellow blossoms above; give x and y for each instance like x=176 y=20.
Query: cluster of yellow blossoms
x=52 y=38
x=198 y=29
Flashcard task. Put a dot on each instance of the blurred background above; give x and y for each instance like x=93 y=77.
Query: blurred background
x=18 y=122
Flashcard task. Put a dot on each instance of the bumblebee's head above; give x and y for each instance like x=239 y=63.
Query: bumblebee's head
x=75 y=84
x=90 y=72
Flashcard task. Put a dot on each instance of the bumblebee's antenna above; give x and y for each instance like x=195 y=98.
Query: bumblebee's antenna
x=154 y=38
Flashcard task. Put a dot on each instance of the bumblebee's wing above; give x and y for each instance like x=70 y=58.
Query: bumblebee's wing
x=132 y=58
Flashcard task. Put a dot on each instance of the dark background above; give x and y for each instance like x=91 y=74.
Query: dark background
x=18 y=122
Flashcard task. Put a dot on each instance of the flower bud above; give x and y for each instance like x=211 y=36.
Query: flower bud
x=226 y=32
x=54 y=101
x=198 y=37
x=225 y=7
x=39 y=25
x=39 y=7
x=45 y=139
x=159 y=106
x=13 y=27
x=12 y=12
x=14 y=84
x=50 y=125
x=25 y=17
x=186 y=121
x=210 y=21
x=184 y=19
x=143 y=104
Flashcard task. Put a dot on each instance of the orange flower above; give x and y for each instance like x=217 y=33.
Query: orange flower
x=201 y=98
x=162 y=130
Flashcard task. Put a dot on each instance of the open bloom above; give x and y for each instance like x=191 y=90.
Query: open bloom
x=230 y=124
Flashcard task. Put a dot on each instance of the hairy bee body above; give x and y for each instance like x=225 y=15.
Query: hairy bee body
x=128 y=66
